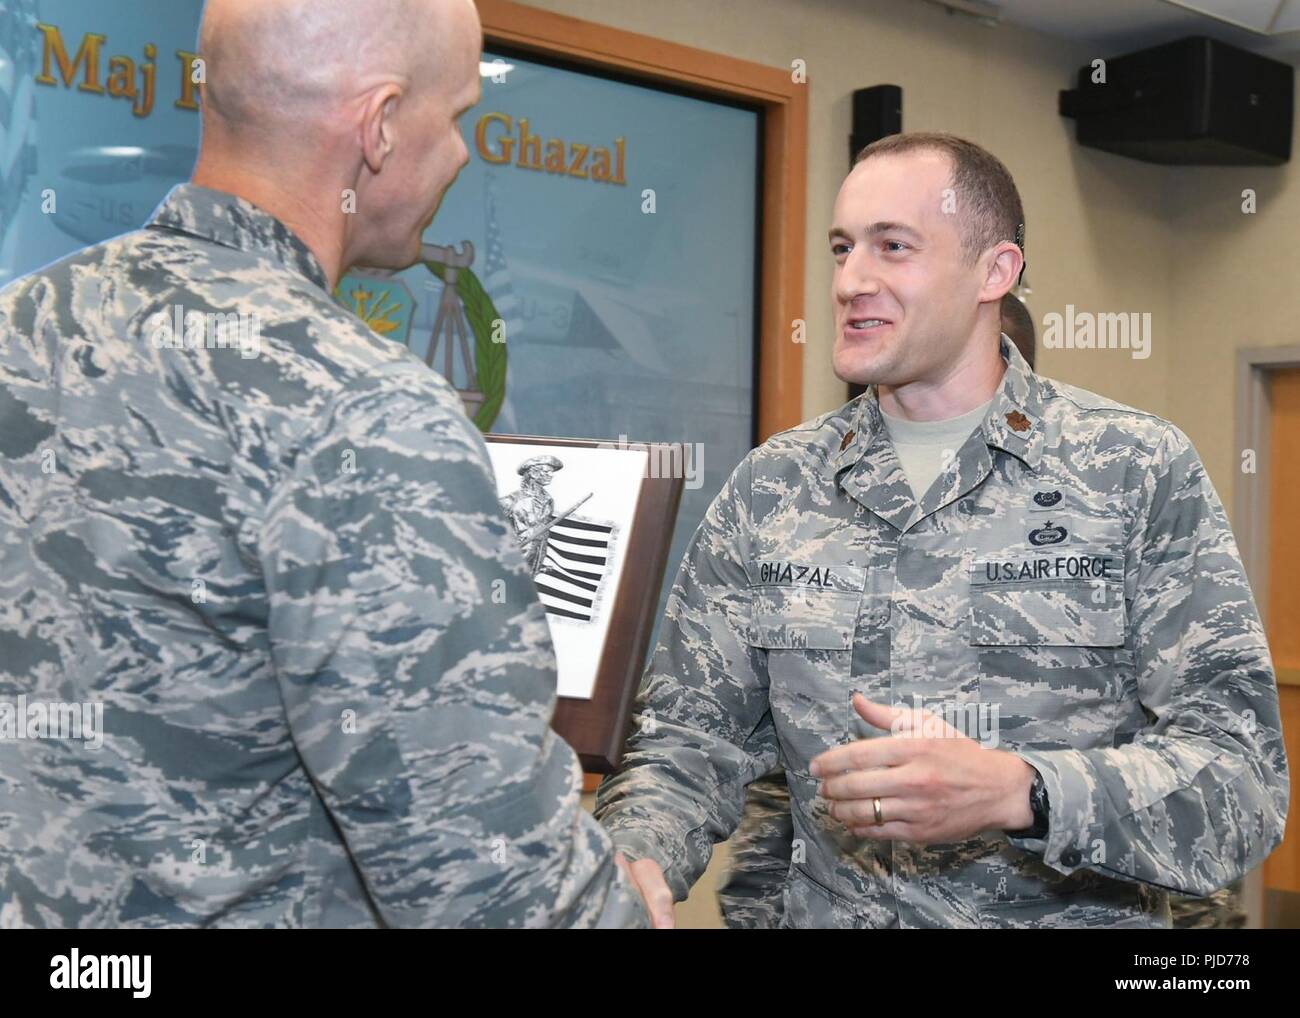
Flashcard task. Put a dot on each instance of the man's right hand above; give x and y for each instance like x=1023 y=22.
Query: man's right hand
x=648 y=879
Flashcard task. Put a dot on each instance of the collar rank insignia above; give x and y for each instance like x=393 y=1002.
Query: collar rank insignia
x=1047 y=498
x=1018 y=421
x=844 y=443
x=1047 y=535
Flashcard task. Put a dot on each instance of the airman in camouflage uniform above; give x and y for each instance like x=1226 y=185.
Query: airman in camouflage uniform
x=749 y=897
x=1072 y=569
x=267 y=542
x=326 y=677
x=750 y=894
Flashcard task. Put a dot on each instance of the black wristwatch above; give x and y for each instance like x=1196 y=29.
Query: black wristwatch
x=1038 y=804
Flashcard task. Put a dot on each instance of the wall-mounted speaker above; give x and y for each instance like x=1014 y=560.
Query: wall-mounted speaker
x=877 y=112
x=1194 y=102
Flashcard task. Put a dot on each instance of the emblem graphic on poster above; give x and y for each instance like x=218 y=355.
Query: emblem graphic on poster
x=384 y=301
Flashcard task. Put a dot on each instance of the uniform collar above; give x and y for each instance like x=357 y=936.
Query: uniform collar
x=1013 y=422
x=867 y=468
x=236 y=223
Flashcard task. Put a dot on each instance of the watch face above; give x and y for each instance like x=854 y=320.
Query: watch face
x=1038 y=798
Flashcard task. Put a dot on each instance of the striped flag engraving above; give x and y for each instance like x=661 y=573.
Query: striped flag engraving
x=570 y=580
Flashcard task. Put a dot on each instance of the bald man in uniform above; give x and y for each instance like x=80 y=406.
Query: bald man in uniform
x=267 y=544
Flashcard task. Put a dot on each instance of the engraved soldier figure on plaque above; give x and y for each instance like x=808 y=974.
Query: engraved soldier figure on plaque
x=532 y=510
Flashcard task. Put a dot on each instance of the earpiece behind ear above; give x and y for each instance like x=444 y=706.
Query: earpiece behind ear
x=1020 y=243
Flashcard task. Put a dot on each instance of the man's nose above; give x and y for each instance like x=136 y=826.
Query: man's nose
x=856 y=279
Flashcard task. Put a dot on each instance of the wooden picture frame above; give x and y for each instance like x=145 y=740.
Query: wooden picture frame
x=596 y=727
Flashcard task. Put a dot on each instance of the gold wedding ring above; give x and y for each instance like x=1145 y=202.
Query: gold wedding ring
x=880 y=817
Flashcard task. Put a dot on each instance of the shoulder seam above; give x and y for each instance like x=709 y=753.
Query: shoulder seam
x=814 y=424
x=1116 y=408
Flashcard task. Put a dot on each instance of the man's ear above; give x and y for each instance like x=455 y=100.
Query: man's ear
x=1003 y=271
x=377 y=137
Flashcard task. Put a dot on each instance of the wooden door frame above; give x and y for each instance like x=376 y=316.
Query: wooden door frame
x=1250 y=498
x=784 y=104
x=1250 y=504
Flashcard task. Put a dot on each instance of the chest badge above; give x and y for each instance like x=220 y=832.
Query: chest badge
x=844 y=443
x=1018 y=421
x=1047 y=498
x=1047 y=535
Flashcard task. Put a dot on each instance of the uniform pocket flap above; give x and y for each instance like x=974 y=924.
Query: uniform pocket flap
x=803 y=617
x=1062 y=613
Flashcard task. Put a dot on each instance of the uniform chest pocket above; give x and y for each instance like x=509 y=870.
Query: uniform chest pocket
x=1011 y=607
x=820 y=615
x=1048 y=631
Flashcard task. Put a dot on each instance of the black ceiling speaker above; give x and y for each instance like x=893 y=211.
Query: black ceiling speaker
x=1195 y=102
x=877 y=112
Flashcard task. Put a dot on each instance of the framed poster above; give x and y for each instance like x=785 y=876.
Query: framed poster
x=109 y=159
x=593 y=521
x=779 y=94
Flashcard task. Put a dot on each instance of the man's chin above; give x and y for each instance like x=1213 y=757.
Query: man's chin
x=855 y=370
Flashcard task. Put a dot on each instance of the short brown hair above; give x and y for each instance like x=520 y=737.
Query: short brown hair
x=986 y=192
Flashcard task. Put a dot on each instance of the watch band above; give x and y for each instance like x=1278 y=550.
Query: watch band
x=1038 y=804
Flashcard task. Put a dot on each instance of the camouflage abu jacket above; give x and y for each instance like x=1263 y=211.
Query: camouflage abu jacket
x=268 y=550
x=1069 y=588
x=751 y=895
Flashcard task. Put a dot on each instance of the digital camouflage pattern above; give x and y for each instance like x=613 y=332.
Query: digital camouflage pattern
x=326 y=676
x=750 y=895
x=1071 y=575
x=1225 y=909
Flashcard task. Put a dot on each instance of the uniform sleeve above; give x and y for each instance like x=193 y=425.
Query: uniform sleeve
x=1200 y=796
x=702 y=725
x=418 y=677
x=752 y=896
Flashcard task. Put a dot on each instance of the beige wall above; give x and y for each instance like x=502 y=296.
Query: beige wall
x=1104 y=233
x=1096 y=234
x=1235 y=284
